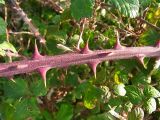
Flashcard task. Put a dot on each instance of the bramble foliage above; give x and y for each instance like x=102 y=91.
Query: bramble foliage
x=122 y=89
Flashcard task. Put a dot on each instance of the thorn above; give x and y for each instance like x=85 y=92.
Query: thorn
x=93 y=66
x=11 y=78
x=158 y=44
x=140 y=58
x=43 y=41
x=86 y=49
x=79 y=41
x=157 y=64
x=36 y=54
x=43 y=72
x=118 y=44
x=29 y=20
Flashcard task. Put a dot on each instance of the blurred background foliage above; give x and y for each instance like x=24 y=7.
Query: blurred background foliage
x=123 y=89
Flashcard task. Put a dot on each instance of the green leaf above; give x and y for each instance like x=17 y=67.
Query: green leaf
x=47 y=115
x=150 y=91
x=81 y=89
x=26 y=108
x=140 y=78
x=72 y=79
x=149 y=34
x=3 y=26
x=65 y=112
x=89 y=103
x=16 y=90
x=136 y=114
x=91 y=96
x=129 y=8
x=101 y=76
x=145 y=3
x=5 y=47
x=38 y=88
x=81 y=8
x=150 y=105
x=2 y=2
x=104 y=116
x=6 y=111
x=117 y=101
x=119 y=89
x=134 y=94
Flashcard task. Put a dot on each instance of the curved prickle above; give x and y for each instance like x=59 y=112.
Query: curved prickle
x=43 y=72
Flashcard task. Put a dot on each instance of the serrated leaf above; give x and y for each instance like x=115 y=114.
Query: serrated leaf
x=47 y=115
x=115 y=101
x=136 y=114
x=81 y=8
x=134 y=94
x=147 y=35
x=5 y=47
x=65 y=112
x=38 y=88
x=89 y=103
x=104 y=116
x=81 y=89
x=101 y=76
x=26 y=108
x=150 y=91
x=145 y=3
x=91 y=96
x=150 y=105
x=6 y=111
x=140 y=78
x=129 y=8
x=71 y=79
x=3 y=26
x=16 y=90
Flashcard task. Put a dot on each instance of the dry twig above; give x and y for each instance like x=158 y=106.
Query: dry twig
x=25 y=18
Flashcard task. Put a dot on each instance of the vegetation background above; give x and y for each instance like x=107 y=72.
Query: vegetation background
x=123 y=89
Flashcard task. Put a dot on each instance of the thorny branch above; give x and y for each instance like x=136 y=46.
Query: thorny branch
x=25 y=18
x=42 y=64
x=84 y=56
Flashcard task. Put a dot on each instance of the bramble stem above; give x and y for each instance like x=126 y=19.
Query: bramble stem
x=75 y=58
